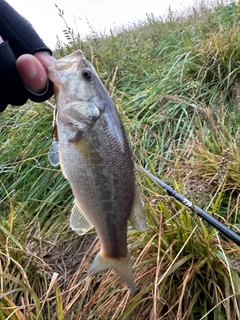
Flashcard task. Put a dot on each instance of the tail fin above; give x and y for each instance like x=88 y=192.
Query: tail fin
x=122 y=266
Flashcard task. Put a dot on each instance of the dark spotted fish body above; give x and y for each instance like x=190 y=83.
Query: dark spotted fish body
x=96 y=159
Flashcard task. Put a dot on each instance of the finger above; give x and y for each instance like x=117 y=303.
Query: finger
x=44 y=57
x=32 y=73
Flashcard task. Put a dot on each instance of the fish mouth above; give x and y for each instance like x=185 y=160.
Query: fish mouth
x=65 y=64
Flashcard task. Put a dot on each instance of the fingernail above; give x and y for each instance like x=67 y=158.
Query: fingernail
x=44 y=57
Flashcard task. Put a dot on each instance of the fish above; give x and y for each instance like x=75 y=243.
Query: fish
x=96 y=158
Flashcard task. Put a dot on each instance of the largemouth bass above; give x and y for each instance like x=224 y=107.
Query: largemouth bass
x=96 y=158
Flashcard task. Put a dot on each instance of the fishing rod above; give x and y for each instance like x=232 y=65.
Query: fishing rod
x=204 y=215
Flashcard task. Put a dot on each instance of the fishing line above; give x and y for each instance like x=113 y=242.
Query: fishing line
x=204 y=215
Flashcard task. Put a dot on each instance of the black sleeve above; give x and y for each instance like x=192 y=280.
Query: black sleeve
x=20 y=38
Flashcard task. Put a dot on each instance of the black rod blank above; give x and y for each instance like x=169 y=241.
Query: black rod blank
x=204 y=215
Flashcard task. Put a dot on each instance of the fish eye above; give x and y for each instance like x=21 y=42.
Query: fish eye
x=87 y=74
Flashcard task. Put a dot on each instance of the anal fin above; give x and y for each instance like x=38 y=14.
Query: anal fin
x=78 y=221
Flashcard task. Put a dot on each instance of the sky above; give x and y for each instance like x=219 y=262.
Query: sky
x=101 y=14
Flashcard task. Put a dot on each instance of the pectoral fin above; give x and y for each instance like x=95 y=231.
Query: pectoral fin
x=78 y=221
x=138 y=216
x=81 y=115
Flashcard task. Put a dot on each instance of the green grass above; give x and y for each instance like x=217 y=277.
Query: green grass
x=174 y=82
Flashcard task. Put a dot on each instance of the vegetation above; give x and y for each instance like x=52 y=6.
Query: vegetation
x=175 y=81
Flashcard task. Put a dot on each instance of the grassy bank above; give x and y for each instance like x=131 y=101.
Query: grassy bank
x=175 y=82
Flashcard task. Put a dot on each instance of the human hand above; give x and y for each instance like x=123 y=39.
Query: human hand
x=31 y=69
x=23 y=56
